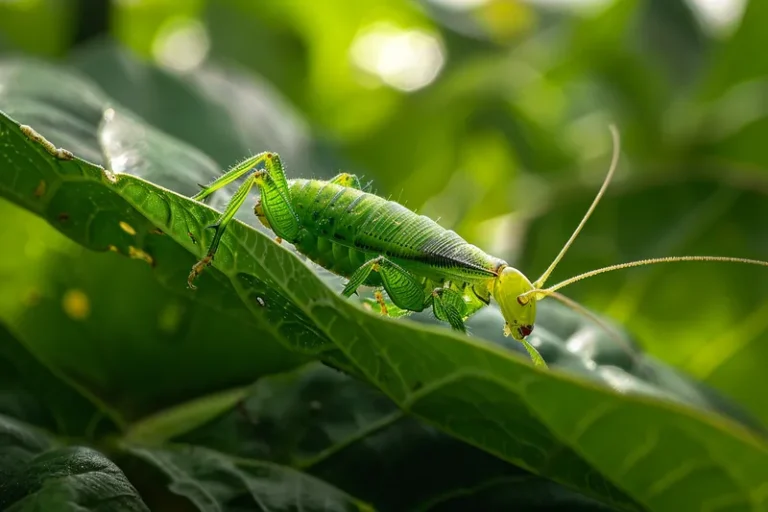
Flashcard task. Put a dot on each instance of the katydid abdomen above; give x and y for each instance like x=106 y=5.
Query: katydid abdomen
x=344 y=227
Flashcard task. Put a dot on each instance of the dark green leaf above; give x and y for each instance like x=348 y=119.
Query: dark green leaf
x=36 y=475
x=122 y=342
x=216 y=482
x=343 y=431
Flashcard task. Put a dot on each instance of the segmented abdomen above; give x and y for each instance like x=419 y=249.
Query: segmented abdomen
x=344 y=227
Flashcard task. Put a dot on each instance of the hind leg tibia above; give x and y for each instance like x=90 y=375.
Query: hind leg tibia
x=449 y=306
x=402 y=287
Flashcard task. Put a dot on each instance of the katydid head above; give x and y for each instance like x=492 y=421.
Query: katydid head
x=513 y=291
x=519 y=315
x=517 y=296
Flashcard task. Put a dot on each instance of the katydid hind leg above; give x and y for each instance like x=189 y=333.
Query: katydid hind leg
x=277 y=207
x=219 y=227
x=403 y=288
x=448 y=305
x=275 y=203
x=358 y=277
x=235 y=173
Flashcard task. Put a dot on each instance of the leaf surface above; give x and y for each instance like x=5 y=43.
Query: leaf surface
x=38 y=474
x=560 y=424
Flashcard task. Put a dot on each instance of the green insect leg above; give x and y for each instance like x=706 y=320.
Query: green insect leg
x=448 y=306
x=535 y=356
x=276 y=207
x=358 y=277
x=220 y=225
x=233 y=174
x=275 y=202
x=381 y=301
x=347 y=180
x=402 y=287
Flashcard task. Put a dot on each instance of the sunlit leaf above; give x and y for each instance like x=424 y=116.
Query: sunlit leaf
x=555 y=423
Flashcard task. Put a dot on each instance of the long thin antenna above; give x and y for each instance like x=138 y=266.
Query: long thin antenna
x=614 y=163
x=541 y=293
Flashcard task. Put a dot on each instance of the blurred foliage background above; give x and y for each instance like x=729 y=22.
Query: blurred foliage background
x=490 y=115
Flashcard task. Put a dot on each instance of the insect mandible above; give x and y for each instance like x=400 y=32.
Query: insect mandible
x=376 y=242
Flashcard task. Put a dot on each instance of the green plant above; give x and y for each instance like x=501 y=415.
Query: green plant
x=160 y=388
x=264 y=390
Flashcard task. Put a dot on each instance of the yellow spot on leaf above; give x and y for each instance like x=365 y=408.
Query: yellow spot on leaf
x=113 y=248
x=76 y=304
x=138 y=254
x=127 y=228
x=170 y=317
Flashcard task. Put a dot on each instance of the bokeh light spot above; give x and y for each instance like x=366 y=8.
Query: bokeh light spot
x=719 y=17
x=181 y=45
x=404 y=59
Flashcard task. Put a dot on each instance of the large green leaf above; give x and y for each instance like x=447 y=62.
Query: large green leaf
x=216 y=482
x=121 y=341
x=124 y=344
x=37 y=474
x=343 y=431
x=607 y=435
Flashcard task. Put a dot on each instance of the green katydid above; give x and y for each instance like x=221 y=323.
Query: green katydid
x=376 y=242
